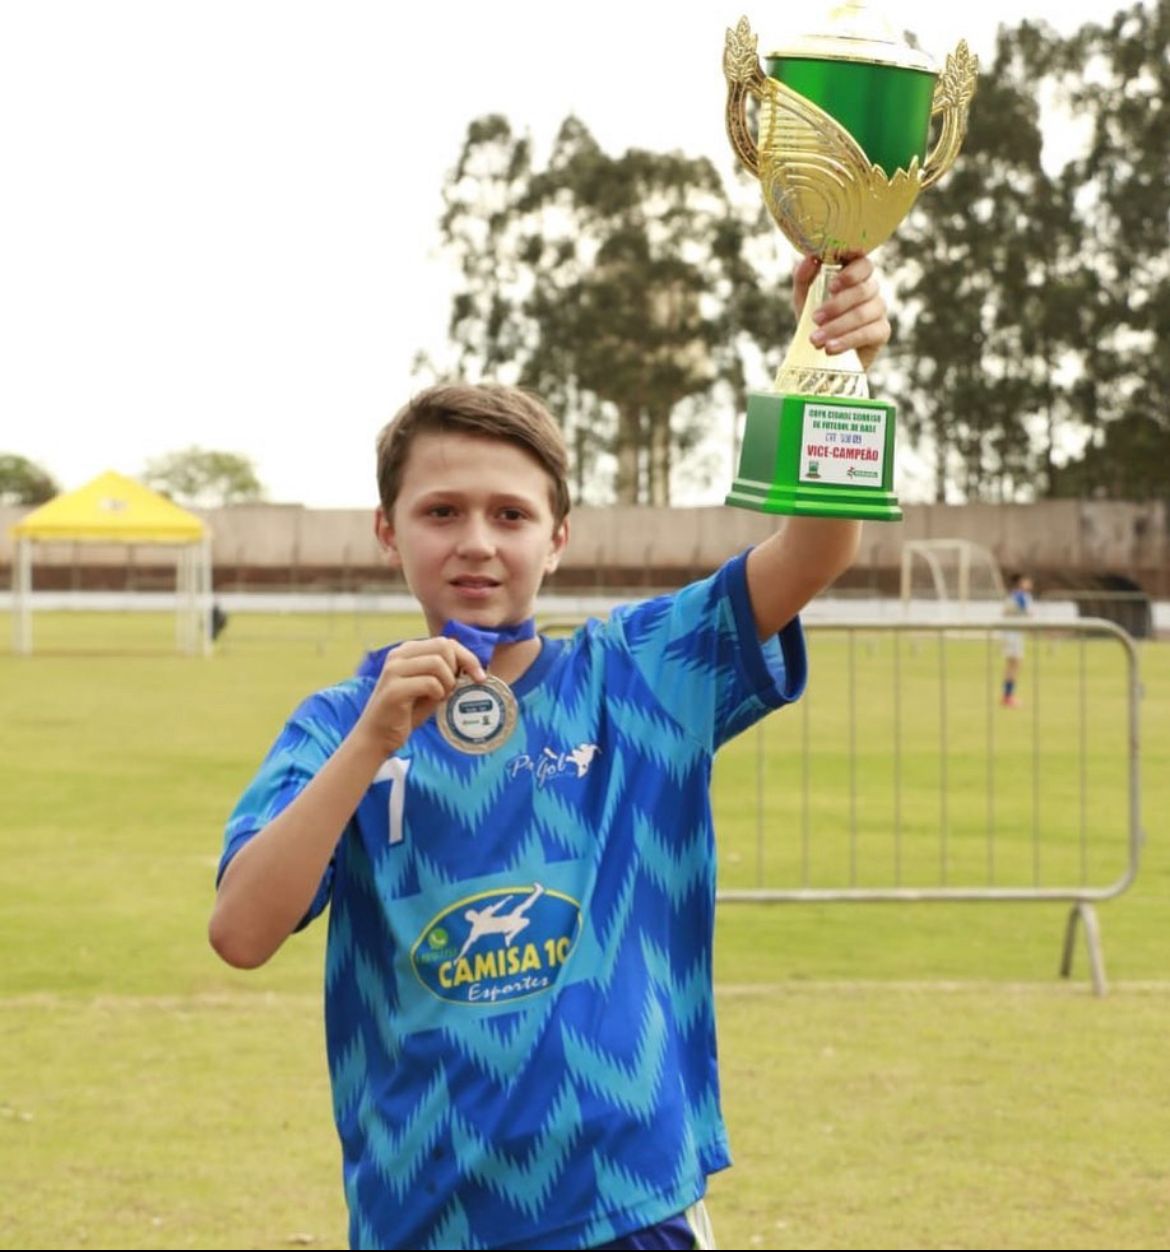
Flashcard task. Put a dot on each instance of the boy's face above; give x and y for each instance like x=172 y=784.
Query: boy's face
x=472 y=530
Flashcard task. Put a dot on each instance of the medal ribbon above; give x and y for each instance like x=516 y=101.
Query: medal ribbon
x=482 y=642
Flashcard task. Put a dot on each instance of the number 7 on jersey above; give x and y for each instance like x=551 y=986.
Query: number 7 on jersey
x=394 y=771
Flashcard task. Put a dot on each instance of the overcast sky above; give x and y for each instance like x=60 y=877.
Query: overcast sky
x=219 y=219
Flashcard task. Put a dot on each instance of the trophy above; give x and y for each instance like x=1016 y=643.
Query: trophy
x=837 y=109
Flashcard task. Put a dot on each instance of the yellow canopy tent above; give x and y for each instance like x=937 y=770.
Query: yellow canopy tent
x=116 y=509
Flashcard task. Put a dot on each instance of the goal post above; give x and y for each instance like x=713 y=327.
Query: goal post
x=952 y=572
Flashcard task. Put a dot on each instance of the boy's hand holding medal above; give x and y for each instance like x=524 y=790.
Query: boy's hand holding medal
x=416 y=678
x=446 y=677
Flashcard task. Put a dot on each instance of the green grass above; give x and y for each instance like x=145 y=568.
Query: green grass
x=894 y=1075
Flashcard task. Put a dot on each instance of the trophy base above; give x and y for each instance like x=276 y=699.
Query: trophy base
x=817 y=456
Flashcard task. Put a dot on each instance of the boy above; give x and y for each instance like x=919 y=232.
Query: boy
x=519 y=1013
x=1017 y=604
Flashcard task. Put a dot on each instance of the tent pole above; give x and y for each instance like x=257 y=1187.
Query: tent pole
x=194 y=636
x=188 y=602
x=206 y=590
x=179 y=554
x=24 y=597
x=17 y=597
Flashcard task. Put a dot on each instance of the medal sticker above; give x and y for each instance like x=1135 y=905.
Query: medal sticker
x=478 y=717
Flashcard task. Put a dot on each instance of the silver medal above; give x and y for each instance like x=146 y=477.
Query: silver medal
x=478 y=717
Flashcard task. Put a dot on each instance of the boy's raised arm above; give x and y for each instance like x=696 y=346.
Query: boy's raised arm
x=791 y=567
x=787 y=570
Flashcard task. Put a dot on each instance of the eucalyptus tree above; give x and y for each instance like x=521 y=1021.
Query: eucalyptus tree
x=1117 y=75
x=995 y=291
x=624 y=289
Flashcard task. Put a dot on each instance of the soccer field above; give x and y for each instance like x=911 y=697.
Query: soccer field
x=910 y=1075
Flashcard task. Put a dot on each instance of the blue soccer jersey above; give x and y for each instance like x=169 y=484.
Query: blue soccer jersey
x=519 y=1010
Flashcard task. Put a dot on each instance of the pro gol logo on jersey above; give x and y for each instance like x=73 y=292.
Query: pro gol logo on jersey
x=497 y=946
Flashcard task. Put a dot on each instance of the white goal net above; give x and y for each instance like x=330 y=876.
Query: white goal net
x=950 y=577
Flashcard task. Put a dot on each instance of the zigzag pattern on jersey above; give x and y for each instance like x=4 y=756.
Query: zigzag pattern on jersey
x=632 y=1085
x=681 y=872
x=339 y=951
x=615 y=1184
x=710 y=651
x=525 y=1183
x=564 y=834
x=326 y=716
x=399 y=1152
x=361 y=1232
x=373 y=991
x=347 y=959
x=571 y=706
x=687 y=617
x=311 y=731
x=348 y=1074
x=691 y=662
x=453 y=1230
x=514 y=851
x=617 y=794
x=635 y=623
x=499 y=1046
x=395 y=871
x=707 y=1109
x=654 y=735
x=598 y=948
x=688 y=995
x=677 y=867
x=466 y=789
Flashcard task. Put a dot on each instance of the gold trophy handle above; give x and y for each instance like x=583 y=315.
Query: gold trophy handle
x=952 y=98
x=741 y=66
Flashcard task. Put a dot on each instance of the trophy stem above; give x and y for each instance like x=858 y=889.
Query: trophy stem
x=810 y=371
x=817 y=445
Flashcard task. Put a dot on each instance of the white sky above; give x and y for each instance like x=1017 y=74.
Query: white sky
x=219 y=219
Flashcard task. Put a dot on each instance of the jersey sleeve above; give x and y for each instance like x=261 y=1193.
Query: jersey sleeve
x=308 y=740
x=699 y=652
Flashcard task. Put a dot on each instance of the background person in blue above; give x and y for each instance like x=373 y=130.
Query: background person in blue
x=519 y=1013
x=1017 y=604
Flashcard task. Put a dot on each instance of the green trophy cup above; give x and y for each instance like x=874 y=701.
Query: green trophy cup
x=836 y=111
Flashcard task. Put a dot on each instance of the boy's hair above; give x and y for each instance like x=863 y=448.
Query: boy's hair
x=487 y=411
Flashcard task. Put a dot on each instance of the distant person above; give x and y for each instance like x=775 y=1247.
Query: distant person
x=1018 y=604
x=219 y=621
x=513 y=834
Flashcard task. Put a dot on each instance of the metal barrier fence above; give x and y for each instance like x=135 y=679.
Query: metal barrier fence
x=901 y=777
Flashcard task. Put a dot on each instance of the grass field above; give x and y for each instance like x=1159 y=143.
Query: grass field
x=910 y=1075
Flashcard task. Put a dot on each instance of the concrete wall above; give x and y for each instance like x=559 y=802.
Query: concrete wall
x=1059 y=535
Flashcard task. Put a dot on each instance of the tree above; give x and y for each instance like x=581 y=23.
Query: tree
x=996 y=292
x=23 y=482
x=1119 y=76
x=1127 y=461
x=199 y=477
x=620 y=288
